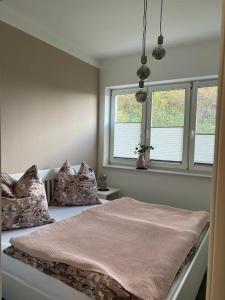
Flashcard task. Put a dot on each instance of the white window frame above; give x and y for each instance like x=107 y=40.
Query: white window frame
x=123 y=160
x=193 y=122
x=169 y=164
x=187 y=165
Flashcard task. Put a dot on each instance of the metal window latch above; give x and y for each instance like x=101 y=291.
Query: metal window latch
x=192 y=135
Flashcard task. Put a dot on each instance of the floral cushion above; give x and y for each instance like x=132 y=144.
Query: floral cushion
x=6 y=191
x=28 y=207
x=73 y=188
x=7 y=185
x=8 y=180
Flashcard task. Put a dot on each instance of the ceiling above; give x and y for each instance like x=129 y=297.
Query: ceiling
x=97 y=29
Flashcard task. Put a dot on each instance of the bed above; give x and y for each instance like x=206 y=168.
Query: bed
x=21 y=281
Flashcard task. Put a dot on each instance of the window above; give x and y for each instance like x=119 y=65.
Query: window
x=126 y=124
x=178 y=120
x=167 y=132
x=203 y=125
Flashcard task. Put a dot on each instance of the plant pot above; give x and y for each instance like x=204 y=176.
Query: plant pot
x=140 y=162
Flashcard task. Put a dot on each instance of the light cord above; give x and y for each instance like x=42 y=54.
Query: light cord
x=161 y=13
x=144 y=27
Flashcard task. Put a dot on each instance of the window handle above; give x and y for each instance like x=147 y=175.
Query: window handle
x=192 y=135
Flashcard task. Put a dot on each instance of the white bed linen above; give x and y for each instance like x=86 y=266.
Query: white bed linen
x=56 y=212
x=52 y=288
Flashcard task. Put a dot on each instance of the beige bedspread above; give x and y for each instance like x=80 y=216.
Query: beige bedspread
x=141 y=246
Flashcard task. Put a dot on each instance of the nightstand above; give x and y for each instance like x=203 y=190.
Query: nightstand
x=112 y=193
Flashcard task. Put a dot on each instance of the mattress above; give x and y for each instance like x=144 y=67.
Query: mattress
x=51 y=286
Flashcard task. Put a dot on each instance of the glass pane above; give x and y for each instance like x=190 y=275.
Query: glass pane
x=127 y=127
x=205 y=125
x=167 y=128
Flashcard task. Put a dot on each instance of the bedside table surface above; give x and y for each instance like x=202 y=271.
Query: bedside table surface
x=111 y=190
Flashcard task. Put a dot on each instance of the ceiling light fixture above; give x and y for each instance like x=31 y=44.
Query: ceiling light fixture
x=159 y=51
x=143 y=71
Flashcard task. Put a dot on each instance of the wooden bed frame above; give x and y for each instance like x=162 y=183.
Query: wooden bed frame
x=16 y=288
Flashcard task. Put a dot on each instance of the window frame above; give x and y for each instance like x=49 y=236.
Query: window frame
x=187 y=165
x=123 y=160
x=169 y=164
x=193 y=122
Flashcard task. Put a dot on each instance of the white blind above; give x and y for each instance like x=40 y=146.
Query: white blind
x=126 y=137
x=167 y=143
x=204 y=148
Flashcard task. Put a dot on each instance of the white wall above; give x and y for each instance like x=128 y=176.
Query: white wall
x=184 y=61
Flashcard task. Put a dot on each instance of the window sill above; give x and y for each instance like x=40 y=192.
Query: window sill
x=151 y=170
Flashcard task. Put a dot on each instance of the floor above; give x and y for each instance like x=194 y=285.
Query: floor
x=202 y=290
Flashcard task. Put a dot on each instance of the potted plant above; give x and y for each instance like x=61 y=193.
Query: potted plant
x=141 y=150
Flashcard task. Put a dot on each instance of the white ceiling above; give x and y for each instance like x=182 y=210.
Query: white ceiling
x=96 y=29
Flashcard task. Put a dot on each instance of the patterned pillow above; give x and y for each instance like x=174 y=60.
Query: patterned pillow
x=73 y=188
x=29 y=207
x=6 y=191
x=7 y=185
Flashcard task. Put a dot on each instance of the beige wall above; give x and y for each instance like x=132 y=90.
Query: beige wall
x=48 y=104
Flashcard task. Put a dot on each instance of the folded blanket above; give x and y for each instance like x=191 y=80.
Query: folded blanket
x=141 y=246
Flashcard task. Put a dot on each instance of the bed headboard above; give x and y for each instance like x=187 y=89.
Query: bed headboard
x=47 y=177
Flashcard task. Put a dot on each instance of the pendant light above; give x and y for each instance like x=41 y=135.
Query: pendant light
x=143 y=71
x=159 y=51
